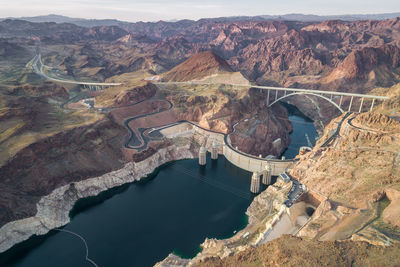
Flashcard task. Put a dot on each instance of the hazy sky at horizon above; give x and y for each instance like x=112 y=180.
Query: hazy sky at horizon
x=153 y=10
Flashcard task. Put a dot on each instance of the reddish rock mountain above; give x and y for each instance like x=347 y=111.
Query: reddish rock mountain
x=290 y=52
x=198 y=66
x=377 y=65
x=175 y=49
x=108 y=33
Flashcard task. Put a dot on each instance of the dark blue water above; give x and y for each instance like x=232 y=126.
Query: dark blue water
x=302 y=128
x=142 y=223
x=139 y=224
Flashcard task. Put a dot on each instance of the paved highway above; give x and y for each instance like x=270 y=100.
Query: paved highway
x=38 y=68
x=337 y=131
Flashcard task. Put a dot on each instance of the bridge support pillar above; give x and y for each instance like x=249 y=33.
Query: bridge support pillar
x=372 y=104
x=361 y=104
x=214 y=151
x=351 y=102
x=255 y=183
x=202 y=156
x=340 y=102
x=266 y=176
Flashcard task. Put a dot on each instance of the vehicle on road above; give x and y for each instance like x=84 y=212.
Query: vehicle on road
x=284 y=177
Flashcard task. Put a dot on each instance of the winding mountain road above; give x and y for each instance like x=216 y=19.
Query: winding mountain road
x=142 y=138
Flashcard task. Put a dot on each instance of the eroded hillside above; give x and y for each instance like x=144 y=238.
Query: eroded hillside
x=294 y=251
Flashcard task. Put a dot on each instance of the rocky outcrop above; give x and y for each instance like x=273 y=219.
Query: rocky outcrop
x=176 y=49
x=135 y=95
x=289 y=52
x=47 y=89
x=53 y=209
x=391 y=214
x=368 y=64
x=196 y=67
x=107 y=33
x=257 y=134
x=348 y=173
x=362 y=153
x=294 y=251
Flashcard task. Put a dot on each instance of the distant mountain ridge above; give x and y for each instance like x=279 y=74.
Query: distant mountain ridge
x=64 y=19
x=294 y=17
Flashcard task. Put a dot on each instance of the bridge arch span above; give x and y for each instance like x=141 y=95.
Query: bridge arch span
x=308 y=93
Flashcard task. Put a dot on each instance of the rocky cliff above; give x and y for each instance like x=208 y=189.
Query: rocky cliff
x=52 y=210
x=294 y=251
x=69 y=156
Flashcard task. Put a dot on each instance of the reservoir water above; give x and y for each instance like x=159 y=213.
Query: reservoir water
x=139 y=224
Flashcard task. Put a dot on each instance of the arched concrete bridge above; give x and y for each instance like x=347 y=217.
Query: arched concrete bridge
x=280 y=93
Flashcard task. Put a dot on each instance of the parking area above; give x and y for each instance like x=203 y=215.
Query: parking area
x=295 y=192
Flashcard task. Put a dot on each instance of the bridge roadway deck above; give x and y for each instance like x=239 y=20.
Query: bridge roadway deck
x=284 y=89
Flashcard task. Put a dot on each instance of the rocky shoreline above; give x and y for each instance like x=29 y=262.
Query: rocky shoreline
x=53 y=210
x=262 y=210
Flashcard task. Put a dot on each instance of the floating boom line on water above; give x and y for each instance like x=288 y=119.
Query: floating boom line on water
x=84 y=242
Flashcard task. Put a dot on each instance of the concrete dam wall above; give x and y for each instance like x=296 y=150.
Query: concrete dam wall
x=242 y=160
x=254 y=164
